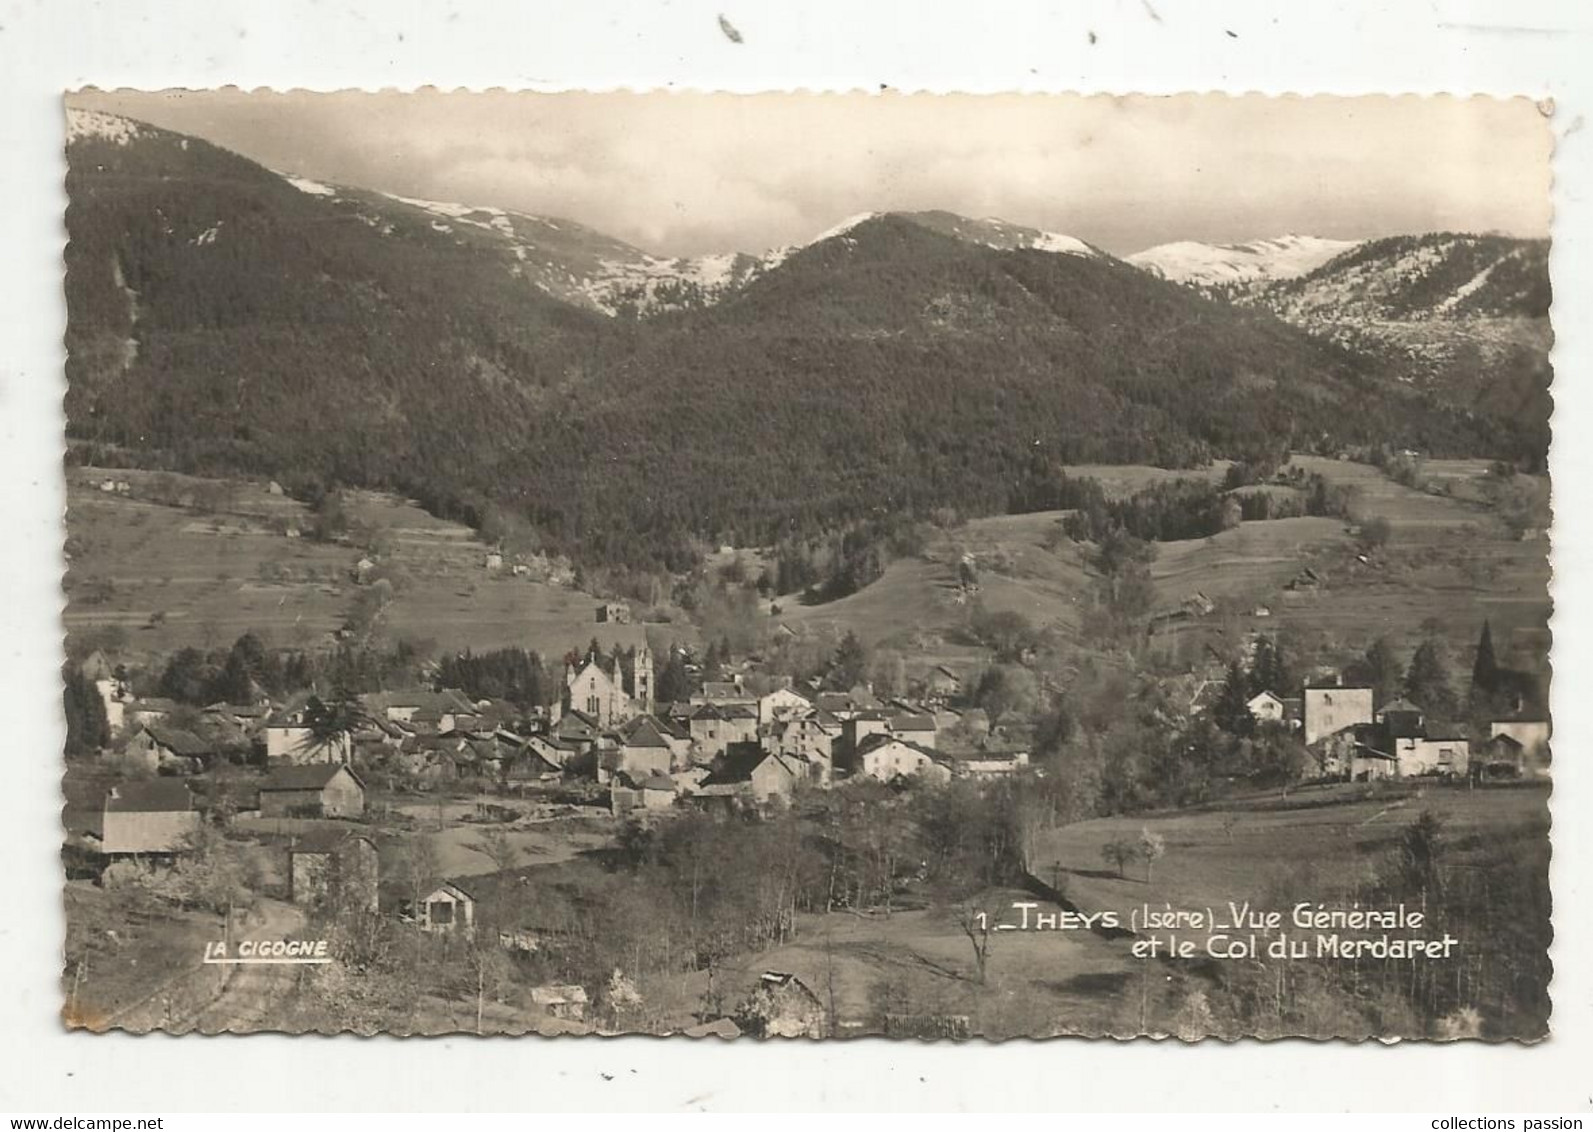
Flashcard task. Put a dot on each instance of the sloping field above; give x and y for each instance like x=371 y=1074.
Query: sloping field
x=1413 y=514
x=1119 y=481
x=166 y=576
x=1038 y=983
x=1334 y=834
x=920 y=598
x=1244 y=563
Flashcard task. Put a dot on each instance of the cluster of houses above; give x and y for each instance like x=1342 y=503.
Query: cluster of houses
x=729 y=744
x=1355 y=738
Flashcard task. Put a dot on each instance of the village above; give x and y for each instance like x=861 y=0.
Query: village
x=419 y=808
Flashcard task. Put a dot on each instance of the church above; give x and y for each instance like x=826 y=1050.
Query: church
x=610 y=697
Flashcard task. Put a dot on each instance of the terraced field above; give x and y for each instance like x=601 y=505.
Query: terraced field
x=164 y=576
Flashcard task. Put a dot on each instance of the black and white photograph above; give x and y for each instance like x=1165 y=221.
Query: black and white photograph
x=800 y=565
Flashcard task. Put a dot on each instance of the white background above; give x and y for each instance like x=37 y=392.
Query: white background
x=1486 y=46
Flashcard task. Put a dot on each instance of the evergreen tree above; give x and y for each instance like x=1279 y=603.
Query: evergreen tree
x=87 y=729
x=1485 y=670
x=674 y=682
x=851 y=662
x=1379 y=669
x=1269 y=669
x=1232 y=709
x=1427 y=682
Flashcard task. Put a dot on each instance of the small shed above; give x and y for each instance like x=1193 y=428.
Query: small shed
x=334 y=868
x=322 y=789
x=781 y=1006
x=446 y=908
x=561 y=1000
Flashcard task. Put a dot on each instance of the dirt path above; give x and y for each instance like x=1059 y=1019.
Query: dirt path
x=212 y=998
x=252 y=990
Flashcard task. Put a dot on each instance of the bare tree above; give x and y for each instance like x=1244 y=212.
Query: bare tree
x=1152 y=847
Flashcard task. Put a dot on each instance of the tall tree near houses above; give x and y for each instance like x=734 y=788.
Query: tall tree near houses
x=1232 y=709
x=1427 y=681
x=1380 y=670
x=851 y=663
x=1485 y=669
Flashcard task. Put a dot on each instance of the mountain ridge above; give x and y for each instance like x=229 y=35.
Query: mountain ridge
x=225 y=317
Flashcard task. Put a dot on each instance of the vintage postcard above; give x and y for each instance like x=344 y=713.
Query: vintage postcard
x=807 y=565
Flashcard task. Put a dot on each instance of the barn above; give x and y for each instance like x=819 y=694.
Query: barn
x=319 y=790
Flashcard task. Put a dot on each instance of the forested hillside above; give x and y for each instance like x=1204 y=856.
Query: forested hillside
x=224 y=320
x=1463 y=317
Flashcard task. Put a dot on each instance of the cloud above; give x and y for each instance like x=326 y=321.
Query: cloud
x=690 y=173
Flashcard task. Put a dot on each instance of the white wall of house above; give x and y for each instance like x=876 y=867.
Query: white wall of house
x=1329 y=710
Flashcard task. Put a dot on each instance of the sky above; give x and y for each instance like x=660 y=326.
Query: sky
x=687 y=174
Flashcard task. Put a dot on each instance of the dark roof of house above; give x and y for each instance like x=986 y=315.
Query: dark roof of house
x=906 y=722
x=881 y=739
x=740 y=760
x=178 y=741
x=326 y=841
x=529 y=764
x=707 y=711
x=155 y=795
x=643 y=731
x=738 y=711
x=657 y=782
x=1504 y=739
x=154 y=703
x=312 y=777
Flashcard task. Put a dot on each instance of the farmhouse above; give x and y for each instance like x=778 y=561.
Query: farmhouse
x=1266 y=707
x=1531 y=731
x=1442 y=749
x=290 y=739
x=529 y=767
x=334 y=868
x=714 y=727
x=915 y=727
x=811 y=737
x=1330 y=708
x=148 y=819
x=986 y=764
x=886 y=758
x=750 y=771
x=654 y=792
x=157 y=747
x=1503 y=756
x=781 y=704
x=141 y=713
x=321 y=790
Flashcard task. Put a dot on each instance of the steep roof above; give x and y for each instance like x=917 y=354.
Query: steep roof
x=155 y=795
x=312 y=777
x=326 y=841
x=740 y=760
x=878 y=740
x=643 y=731
x=178 y=741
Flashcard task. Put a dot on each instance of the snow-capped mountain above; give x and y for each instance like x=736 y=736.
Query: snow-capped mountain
x=1209 y=265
